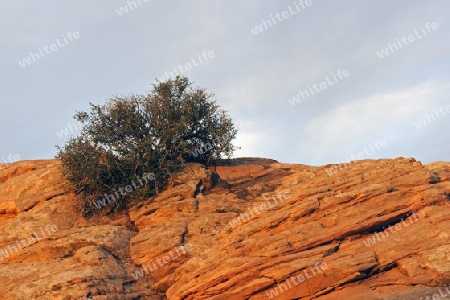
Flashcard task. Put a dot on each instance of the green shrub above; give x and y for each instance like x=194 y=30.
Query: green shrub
x=153 y=133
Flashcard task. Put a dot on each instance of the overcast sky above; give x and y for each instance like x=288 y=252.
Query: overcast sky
x=104 y=48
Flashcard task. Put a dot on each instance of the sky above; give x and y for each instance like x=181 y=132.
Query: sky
x=309 y=82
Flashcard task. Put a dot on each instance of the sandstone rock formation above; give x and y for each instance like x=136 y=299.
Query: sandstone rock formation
x=256 y=229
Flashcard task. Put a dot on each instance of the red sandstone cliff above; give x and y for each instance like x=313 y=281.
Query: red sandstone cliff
x=373 y=230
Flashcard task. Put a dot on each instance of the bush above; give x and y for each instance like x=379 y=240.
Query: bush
x=129 y=137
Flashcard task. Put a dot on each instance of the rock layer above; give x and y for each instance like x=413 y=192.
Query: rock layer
x=255 y=229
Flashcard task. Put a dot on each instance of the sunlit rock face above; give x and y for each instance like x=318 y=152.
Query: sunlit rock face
x=252 y=229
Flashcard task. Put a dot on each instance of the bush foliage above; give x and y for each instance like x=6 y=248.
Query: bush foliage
x=157 y=133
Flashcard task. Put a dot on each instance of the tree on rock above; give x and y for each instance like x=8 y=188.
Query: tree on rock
x=145 y=139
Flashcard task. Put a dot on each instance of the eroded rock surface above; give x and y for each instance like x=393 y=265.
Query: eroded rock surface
x=255 y=229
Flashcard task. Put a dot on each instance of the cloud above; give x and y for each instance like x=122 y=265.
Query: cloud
x=248 y=144
x=373 y=117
